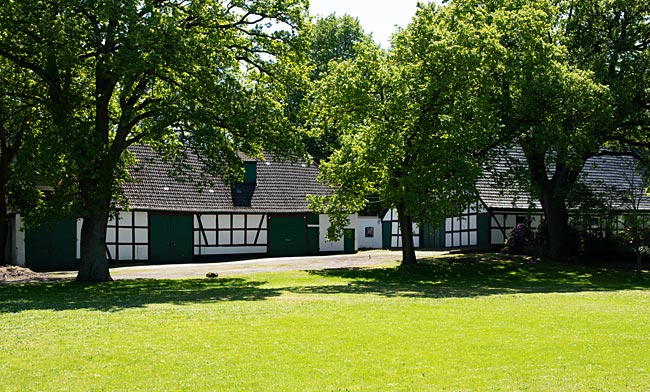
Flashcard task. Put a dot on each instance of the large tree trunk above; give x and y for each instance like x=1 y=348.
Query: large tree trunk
x=557 y=220
x=96 y=196
x=553 y=196
x=94 y=264
x=406 y=227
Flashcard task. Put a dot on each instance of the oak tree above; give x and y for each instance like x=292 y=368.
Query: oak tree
x=333 y=39
x=572 y=85
x=208 y=74
x=412 y=122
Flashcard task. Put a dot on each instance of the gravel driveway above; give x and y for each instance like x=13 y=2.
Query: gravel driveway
x=175 y=271
x=179 y=271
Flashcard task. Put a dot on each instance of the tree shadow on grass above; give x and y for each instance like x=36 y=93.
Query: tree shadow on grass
x=467 y=276
x=478 y=275
x=125 y=294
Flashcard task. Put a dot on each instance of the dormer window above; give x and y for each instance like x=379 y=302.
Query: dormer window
x=250 y=172
x=242 y=192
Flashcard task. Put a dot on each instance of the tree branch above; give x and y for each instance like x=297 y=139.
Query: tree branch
x=40 y=72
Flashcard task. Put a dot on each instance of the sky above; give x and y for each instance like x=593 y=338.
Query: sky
x=378 y=17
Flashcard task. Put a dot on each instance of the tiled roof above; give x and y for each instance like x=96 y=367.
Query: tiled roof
x=617 y=179
x=611 y=178
x=282 y=187
x=499 y=191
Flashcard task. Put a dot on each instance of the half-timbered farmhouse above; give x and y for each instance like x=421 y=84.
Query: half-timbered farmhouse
x=613 y=183
x=193 y=217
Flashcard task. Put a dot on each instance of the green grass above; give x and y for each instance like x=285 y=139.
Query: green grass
x=456 y=324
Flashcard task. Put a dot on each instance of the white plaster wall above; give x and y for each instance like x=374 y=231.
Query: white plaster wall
x=124 y=235
x=396 y=242
x=497 y=237
x=336 y=246
x=374 y=242
x=80 y=223
x=510 y=221
x=239 y=238
x=17 y=244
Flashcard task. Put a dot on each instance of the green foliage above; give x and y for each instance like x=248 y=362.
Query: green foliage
x=572 y=84
x=517 y=240
x=21 y=116
x=547 y=103
x=611 y=38
x=334 y=39
x=124 y=72
x=412 y=121
x=112 y=73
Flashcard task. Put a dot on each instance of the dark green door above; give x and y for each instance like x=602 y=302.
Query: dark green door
x=483 y=227
x=52 y=246
x=348 y=240
x=386 y=234
x=287 y=236
x=433 y=237
x=313 y=242
x=170 y=238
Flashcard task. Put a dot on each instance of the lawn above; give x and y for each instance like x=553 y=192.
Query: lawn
x=465 y=323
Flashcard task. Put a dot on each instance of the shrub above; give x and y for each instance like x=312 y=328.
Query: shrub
x=519 y=237
x=607 y=245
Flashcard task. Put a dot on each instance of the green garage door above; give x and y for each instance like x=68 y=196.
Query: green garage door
x=433 y=237
x=287 y=236
x=52 y=246
x=313 y=241
x=170 y=238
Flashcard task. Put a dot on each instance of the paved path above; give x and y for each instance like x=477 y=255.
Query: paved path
x=175 y=271
x=179 y=271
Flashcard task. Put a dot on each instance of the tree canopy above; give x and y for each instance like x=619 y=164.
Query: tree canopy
x=412 y=123
x=563 y=80
x=333 y=39
x=208 y=74
x=572 y=85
